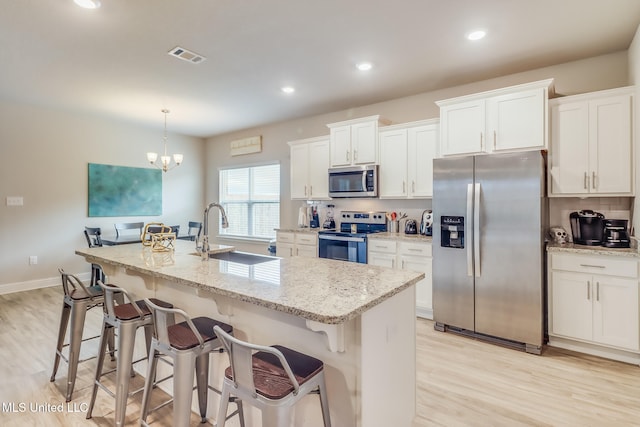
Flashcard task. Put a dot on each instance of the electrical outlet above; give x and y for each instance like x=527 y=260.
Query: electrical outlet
x=33 y=260
x=15 y=201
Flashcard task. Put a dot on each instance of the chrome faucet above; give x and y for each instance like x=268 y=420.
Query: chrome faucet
x=202 y=245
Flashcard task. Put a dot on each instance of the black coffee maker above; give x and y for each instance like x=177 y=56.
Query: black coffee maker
x=587 y=227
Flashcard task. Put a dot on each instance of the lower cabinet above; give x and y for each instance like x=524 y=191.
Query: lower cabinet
x=291 y=243
x=405 y=255
x=594 y=300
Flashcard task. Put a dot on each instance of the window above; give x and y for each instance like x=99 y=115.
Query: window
x=251 y=198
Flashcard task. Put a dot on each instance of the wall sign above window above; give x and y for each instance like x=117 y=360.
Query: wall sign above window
x=246 y=146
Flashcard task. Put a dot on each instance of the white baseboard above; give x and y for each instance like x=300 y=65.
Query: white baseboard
x=30 y=285
x=425 y=313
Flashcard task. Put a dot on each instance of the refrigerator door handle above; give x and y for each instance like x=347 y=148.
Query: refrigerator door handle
x=476 y=229
x=469 y=237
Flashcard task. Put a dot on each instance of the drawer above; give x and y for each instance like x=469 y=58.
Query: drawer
x=306 y=238
x=415 y=249
x=592 y=264
x=378 y=245
x=285 y=237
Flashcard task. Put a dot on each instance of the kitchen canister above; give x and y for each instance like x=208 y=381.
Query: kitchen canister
x=393 y=226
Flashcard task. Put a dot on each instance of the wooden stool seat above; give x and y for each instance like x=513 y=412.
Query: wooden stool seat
x=128 y=311
x=182 y=337
x=271 y=379
x=85 y=293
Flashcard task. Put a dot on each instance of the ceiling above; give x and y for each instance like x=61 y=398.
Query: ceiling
x=113 y=60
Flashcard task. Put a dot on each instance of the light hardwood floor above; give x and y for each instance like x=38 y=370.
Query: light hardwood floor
x=461 y=381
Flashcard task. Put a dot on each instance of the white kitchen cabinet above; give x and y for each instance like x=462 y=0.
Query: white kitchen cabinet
x=382 y=253
x=591 y=144
x=355 y=142
x=306 y=245
x=285 y=242
x=309 y=165
x=406 y=160
x=503 y=120
x=406 y=255
x=594 y=300
x=289 y=244
x=418 y=257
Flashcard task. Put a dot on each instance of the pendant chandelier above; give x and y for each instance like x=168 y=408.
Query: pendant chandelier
x=165 y=159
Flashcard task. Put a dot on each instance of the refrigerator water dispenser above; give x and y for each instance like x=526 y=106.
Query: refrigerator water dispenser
x=452 y=232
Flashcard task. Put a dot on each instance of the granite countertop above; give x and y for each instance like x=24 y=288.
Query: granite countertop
x=592 y=250
x=322 y=290
x=418 y=238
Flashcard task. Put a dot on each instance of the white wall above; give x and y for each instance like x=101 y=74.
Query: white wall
x=44 y=156
x=598 y=73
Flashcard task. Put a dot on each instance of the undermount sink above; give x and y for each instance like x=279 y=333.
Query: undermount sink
x=241 y=257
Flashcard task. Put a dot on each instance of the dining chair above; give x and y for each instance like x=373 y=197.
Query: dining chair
x=92 y=234
x=128 y=226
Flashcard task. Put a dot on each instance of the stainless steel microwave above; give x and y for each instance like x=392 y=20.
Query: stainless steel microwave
x=356 y=181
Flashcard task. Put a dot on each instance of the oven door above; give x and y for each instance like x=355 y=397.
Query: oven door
x=344 y=248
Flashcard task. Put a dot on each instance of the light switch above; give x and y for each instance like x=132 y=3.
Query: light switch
x=15 y=201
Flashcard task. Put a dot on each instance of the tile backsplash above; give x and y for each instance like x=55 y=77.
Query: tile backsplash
x=610 y=207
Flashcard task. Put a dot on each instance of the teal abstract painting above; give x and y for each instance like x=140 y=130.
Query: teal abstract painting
x=124 y=191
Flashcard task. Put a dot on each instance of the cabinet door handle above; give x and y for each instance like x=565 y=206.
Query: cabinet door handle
x=588 y=290
x=305 y=190
x=586 y=178
x=402 y=266
x=592 y=266
x=355 y=155
x=393 y=263
x=597 y=291
x=413 y=186
x=481 y=141
x=347 y=155
x=593 y=180
x=310 y=190
x=494 y=139
x=404 y=186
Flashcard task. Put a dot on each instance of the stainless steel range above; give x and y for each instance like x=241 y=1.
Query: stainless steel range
x=350 y=243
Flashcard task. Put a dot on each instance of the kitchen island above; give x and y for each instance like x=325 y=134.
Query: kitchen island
x=359 y=319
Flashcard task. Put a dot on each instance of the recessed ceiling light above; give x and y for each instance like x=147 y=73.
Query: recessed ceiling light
x=476 y=35
x=88 y=4
x=288 y=89
x=364 y=66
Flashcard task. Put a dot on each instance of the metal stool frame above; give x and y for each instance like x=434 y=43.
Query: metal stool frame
x=185 y=362
x=242 y=385
x=126 y=327
x=78 y=299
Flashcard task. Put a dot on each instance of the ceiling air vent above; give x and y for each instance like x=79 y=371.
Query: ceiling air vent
x=186 y=55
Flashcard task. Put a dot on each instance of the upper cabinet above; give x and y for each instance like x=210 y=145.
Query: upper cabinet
x=591 y=144
x=309 y=165
x=406 y=160
x=508 y=119
x=355 y=142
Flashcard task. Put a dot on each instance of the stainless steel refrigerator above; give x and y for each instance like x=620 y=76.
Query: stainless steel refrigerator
x=488 y=247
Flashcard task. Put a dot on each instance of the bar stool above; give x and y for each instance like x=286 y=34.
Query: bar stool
x=188 y=344
x=124 y=319
x=78 y=299
x=273 y=377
